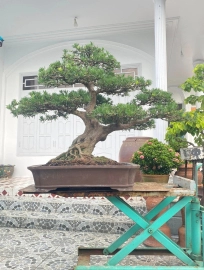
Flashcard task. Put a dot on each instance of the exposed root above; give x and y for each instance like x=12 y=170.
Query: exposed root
x=83 y=160
x=72 y=153
x=75 y=151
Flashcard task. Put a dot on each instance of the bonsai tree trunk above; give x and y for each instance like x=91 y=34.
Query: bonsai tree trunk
x=83 y=146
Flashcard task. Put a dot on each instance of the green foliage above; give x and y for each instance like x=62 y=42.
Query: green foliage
x=122 y=114
x=84 y=64
x=193 y=122
x=61 y=104
x=195 y=83
x=175 y=141
x=141 y=111
x=155 y=157
x=94 y=68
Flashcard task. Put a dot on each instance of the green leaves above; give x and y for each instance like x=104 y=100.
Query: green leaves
x=120 y=113
x=155 y=157
x=94 y=68
x=195 y=83
x=193 y=122
x=85 y=64
x=61 y=104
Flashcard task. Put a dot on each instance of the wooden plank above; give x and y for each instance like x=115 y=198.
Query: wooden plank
x=139 y=189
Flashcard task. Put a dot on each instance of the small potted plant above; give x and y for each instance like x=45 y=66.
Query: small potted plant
x=156 y=160
x=6 y=171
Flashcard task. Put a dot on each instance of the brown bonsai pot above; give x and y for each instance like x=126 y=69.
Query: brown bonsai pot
x=119 y=177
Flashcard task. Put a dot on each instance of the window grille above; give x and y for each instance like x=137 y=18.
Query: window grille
x=31 y=82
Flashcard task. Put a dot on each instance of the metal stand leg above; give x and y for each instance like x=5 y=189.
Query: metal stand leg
x=202 y=211
x=135 y=228
x=188 y=227
x=196 y=229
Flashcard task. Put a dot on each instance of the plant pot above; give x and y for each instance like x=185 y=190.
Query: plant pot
x=182 y=229
x=128 y=148
x=151 y=202
x=159 y=178
x=188 y=173
x=119 y=177
x=6 y=171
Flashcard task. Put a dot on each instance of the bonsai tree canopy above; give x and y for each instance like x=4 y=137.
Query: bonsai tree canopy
x=94 y=68
x=192 y=122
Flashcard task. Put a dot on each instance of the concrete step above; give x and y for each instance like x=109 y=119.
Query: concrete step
x=94 y=206
x=64 y=221
x=70 y=214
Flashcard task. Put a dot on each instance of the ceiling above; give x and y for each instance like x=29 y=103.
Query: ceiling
x=30 y=24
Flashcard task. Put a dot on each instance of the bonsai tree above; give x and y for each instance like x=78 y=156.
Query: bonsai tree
x=192 y=122
x=94 y=68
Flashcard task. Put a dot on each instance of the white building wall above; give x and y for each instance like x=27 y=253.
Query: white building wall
x=43 y=57
x=1 y=104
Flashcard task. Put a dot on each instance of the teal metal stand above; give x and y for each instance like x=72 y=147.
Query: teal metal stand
x=144 y=226
x=191 y=255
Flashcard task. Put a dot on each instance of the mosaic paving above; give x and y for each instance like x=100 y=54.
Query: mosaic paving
x=31 y=249
x=96 y=215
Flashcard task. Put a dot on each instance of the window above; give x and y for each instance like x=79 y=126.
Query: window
x=31 y=83
x=133 y=72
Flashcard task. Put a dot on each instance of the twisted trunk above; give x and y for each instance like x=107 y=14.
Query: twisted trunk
x=85 y=143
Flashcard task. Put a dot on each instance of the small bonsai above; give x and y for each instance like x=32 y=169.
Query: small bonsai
x=192 y=122
x=6 y=171
x=94 y=68
x=155 y=157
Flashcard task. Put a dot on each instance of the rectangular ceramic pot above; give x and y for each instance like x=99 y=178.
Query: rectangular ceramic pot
x=6 y=171
x=119 y=177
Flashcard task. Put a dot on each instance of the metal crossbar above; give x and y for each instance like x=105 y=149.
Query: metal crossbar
x=192 y=255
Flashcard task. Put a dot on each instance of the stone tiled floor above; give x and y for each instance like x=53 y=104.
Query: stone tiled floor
x=45 y=250
x=31 y=249
x=11 y=187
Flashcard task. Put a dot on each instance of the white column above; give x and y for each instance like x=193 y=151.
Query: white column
x=160 y=58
